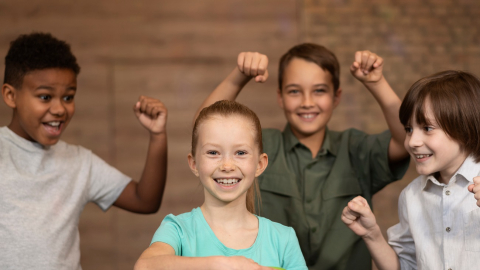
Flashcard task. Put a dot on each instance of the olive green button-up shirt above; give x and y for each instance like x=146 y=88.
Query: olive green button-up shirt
x=309 y=194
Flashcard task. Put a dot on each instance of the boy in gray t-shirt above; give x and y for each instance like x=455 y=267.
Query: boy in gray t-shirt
x=45 y=183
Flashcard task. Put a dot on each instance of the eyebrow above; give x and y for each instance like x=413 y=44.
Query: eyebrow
x=316 y=85
x=46 y=87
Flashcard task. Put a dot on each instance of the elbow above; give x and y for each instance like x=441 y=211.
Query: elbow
x=140 y=265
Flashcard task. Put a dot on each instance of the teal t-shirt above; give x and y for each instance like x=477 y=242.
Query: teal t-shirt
x=190 y=235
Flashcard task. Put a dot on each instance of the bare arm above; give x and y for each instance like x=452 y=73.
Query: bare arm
x=249 y=65
x=368 y=68
x=146 y=195
x=360 y=219
x=162 y=256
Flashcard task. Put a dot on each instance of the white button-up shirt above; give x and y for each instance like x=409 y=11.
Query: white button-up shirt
x=439 y=224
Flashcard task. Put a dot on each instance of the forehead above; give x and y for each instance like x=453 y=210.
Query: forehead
x=54 y=77
x=235 y=127
x=303 y=71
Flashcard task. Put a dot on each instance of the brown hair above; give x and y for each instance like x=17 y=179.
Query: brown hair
x=229 y=108
x=455 y=99
x=314 y=53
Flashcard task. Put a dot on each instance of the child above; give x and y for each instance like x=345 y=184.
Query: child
x=224 y=233
x=439 y=218
x=313 y=171
x=45 y=182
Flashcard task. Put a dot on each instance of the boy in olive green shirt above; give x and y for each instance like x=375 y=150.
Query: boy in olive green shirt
x=314 y=172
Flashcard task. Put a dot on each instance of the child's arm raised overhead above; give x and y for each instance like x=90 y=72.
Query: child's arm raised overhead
x=368 y=69
x=249 y=65
x=360 y=219
x=146 y=195
x=162 y=256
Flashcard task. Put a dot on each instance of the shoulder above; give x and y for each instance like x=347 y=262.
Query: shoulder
x=355 y=136
x=272 y=140
x=412 y=190
x=184 y=219
x=275 y=229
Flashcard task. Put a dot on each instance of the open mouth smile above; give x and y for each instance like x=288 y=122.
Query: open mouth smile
x=227 y=181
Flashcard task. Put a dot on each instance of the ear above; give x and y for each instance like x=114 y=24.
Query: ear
x=279 y=98
x=262 y=164
x=192 y=164
x=337 y=96
x=9 y=94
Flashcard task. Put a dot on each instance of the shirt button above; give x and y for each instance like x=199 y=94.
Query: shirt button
x=448 y=229
x=314 y=230
x=449 y=268
x=447 y=192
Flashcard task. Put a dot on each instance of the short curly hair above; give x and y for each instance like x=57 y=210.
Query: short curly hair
x=37 y=51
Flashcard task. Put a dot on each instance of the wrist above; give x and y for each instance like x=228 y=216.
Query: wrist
x=373 y=235
x=158 y=136
x=238 y=78
x=374 y=84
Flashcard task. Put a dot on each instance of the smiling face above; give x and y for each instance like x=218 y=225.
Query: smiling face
x=227 y=159
x=307 y=97
x=44 y=105
x=432 y=149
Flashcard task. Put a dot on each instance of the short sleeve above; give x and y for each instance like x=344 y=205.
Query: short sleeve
x=293 y=258
x=371 y=154
x=400 y=237
x=106 y=183
x=170 y=232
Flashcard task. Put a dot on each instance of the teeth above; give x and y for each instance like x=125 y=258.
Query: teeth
x=421 y=156
x=307 y=116
x=54 y=123
x=228 y=182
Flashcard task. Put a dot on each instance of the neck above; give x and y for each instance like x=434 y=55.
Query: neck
x=313 y=142
x=232 y=215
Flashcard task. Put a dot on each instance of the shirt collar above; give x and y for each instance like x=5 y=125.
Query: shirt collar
x=291 y=141
x=468 y=171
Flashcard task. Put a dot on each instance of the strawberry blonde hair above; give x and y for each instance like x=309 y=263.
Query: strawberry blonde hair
x=228 y=108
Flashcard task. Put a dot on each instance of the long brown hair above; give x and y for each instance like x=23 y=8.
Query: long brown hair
x=228 y=108
x=455 y=99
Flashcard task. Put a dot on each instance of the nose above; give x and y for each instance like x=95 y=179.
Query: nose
x=57 y=108
x=227 y=165
x=307 y=101
x=414 y=139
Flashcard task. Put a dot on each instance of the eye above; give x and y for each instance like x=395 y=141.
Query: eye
x=293 y=91
x=428 y=128
x=45 y=97
x=320 y=91
x=212 y=152
x=408 y=130
x=241 y=153
x=68 y=98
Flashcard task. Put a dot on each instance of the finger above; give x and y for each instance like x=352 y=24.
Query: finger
x=470 y=188
x=378 y=63
x=477 y=196
x=371 y=59
x=365 y=56
x=262 y=65
x=359 y=208
x=361 y=201
x=476 y=180
x=262 y=78
x=247 y=64
x=240 y=61
x=358 y=58
x=354 y=67
x=348 y=215
x=255 y=64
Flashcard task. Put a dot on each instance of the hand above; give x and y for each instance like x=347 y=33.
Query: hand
x=367 y=67
x=152 y=114
x=238 y=263
x=475 y=189
x=253 y=64
x=358 y=217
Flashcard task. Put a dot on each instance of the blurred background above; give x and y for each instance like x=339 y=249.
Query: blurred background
x=180 y=50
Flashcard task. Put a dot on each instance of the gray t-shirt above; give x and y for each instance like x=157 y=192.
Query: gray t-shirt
x=43 y=190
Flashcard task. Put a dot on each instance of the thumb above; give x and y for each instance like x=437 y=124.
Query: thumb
x=470 y=188
x=136 y=109
x=262 y=78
